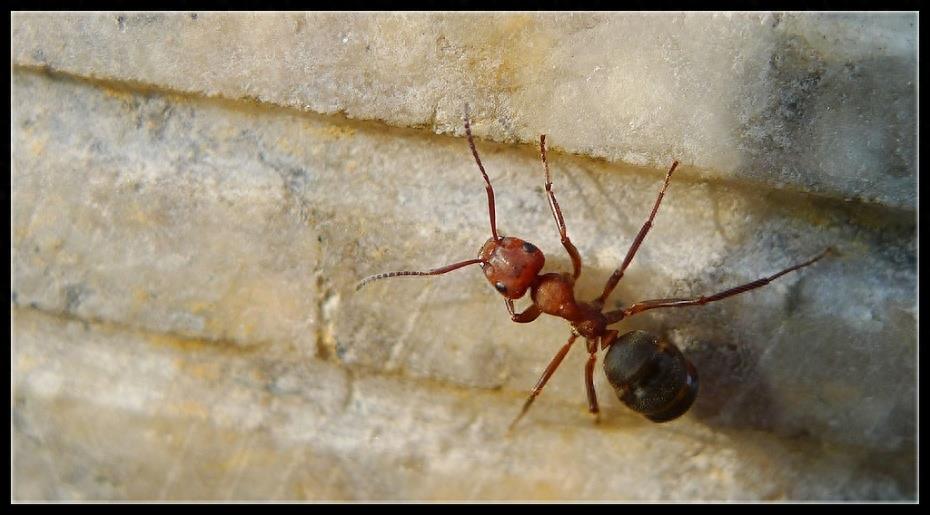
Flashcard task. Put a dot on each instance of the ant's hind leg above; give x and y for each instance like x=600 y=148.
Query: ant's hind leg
x=618 y=273
x=589 y=385
x=557 y=213
x=553 y=365
x=639 y=307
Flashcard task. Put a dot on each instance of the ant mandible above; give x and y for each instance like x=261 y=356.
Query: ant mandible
x=649 y=375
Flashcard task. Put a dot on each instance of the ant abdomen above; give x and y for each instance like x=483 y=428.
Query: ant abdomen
x=650 y=376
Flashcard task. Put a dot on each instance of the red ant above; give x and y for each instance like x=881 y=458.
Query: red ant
x=649 y=375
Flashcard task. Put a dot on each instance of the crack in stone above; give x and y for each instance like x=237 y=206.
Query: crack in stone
x=721 y=230
x=219 y=343
x=322 y=319
x=349 y=398
x=741 y=186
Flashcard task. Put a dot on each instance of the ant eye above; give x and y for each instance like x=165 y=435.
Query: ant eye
x=500 y=287
x=529 y=247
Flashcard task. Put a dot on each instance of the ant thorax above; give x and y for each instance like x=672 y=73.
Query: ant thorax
x=555 y=295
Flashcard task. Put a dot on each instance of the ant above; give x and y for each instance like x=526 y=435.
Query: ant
x=649 y=375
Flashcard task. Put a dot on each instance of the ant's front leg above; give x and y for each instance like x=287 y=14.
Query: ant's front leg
x=531 y=313
x=557 y=214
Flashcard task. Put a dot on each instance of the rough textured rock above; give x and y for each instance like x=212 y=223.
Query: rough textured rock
x=209 y=422
x=186 y=324
x=818 y=103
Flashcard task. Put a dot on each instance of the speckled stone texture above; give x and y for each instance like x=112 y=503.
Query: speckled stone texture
x=195 y=197
x=770 y=98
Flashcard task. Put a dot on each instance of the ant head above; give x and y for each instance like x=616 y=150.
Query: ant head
x=511 y=265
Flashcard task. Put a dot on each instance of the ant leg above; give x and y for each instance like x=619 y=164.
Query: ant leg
x=531 y=313
x=639 y=307
x=435 y=271
x=615 y=277
x=608 y=339
x=557 y=213
x=589 y=384
x=554 y=364
x=487 y=182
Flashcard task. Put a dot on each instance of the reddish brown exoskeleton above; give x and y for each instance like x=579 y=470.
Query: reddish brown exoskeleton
x=649 y=375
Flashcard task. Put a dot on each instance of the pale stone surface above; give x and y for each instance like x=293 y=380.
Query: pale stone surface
x=820 y=103
x=110 y=226
x=187 y=325
x=156 y=417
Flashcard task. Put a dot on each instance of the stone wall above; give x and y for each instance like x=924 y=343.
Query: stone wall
x=195 y=196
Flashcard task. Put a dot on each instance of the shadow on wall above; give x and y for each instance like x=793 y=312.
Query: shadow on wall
x=814 y=106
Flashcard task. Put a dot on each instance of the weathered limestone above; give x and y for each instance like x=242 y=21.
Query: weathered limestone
x=187 y=324
x=231 y=423
x=820 y=103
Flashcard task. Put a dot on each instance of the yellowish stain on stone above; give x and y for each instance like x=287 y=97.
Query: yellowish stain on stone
x=226 y=132
x=176 y=342
x=204 y=371
x=37 y=146
x=259 y=376
x=25 y=363
x=199 y=307
x=513 y=49
x=139 y=216
x=852 y=248
x=250 y=457
x=500 y=488
x=285 y=146
x=20 y=232
x=329 y=132
x=521 y=55
x=140 y=296
x=190 y=409
x=118 y=94
x=338 y=132
x=46 y=214
x=807 y=211
x=252 y=308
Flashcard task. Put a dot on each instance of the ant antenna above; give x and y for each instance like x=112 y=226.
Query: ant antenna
x=435 y=271
x=454 y=266
x=490 y=190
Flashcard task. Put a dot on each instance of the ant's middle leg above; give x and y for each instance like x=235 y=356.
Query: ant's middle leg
x=639 y=307
x=618 y=273
x=557 y=213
